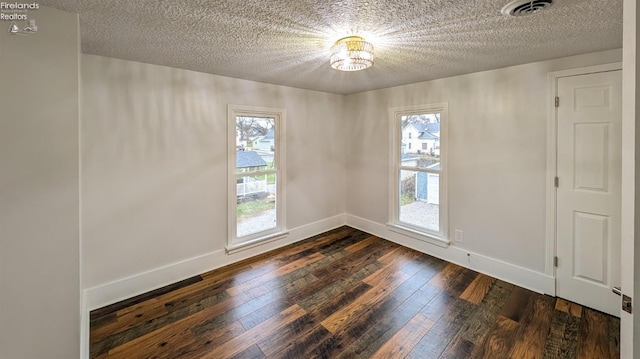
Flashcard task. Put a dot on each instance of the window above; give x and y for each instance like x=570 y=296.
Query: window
x=418 y=194
x=256 y=176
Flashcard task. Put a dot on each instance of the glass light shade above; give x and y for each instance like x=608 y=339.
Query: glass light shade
x=351 y=53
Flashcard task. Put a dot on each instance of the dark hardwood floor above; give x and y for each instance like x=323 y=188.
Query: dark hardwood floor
x=347 y=294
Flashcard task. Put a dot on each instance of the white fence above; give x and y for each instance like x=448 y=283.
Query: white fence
x=251 y=186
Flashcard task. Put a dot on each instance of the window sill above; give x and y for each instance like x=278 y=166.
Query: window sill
x=239 y=247
x=421 y=236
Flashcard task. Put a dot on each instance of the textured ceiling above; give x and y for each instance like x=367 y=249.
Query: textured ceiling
x=287 y=42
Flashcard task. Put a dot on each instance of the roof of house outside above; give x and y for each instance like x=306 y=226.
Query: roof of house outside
x=426 y=127
x=433 y=127
x=269 y=136
x=246 y=159
x=428 y=136
x=418 y=126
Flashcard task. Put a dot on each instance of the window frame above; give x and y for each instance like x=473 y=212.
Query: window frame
x=439 y=238
x=235 y=244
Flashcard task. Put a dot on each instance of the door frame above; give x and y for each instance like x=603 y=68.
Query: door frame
x=552 y=157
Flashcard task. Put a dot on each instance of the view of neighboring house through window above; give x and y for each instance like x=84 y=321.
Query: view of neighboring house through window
x=418 y=170
x=255 y=174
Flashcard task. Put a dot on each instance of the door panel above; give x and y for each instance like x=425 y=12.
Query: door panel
x=591 y=143
x=590 y=245
x=588 y=196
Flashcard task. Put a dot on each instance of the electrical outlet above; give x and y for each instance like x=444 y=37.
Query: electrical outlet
x=459 y=236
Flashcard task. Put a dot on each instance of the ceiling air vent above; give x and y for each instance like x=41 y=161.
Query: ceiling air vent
x=525 y=7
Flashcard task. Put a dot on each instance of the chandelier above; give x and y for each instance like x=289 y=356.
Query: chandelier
x=352 y=53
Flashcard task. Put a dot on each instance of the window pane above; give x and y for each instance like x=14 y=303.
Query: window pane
x=420 y=145
x=256 y=135
x=420 y=199
x=256 y=211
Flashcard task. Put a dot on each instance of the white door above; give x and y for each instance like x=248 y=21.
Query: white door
x=589 y=192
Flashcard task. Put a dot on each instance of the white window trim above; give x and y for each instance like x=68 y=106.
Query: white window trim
x=280 y=231
x=439 y=238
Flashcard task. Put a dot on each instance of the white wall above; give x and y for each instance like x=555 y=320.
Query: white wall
x=497 y=155
x=39 y=206
x=154 y=162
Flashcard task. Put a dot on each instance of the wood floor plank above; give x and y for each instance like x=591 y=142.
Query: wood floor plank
x=405 y=339
x=96 y=314
x=221 y=313
x=386 y=327
x=267 y=277
x=399 y=256
x=361 y=330
x=384 y=284
x=449 y=272
x=376 y=315
x=362 y=244
x=136 y=315
x=346 y=335
x=233 y=309
x=569 y=307
x=445 y=329
x=212 y=305
x=263 y=313
x=262 y=263
x=411 y=296
x=273 y=341
x=499 y=341
x=438 y=305
x=251 y=337
x=483 y=319
x=562 y=338
x=252 y=352
x=301 y=346
x=353 y=260
x=614 y=338
x=211 y=293
x=206 y=341
x=459 y=348
x=424 y=262
x=328 y=287
x=183 y=300
x=348 y=294
x=155 y=346
x=593 y=340
x=340 y=245
x=322 y=310
x=476 y=291
x=516 y=304
x=462 y=281
x=384 y=276
x=533 y=329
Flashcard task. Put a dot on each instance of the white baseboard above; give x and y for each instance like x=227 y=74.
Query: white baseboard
x=140 y=283
x=523 y=277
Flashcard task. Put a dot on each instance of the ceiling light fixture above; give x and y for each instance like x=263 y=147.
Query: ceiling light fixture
x=352 y=53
